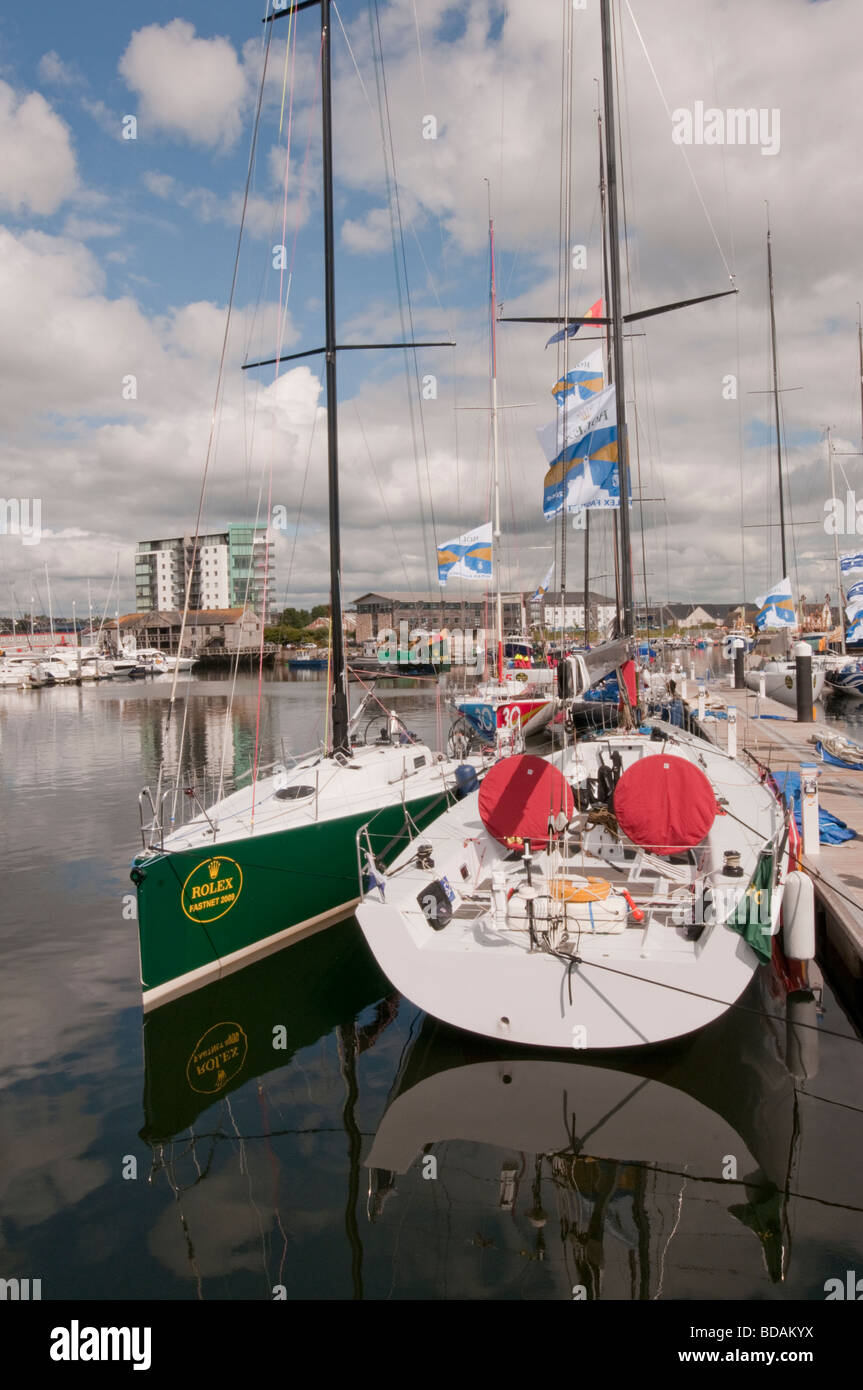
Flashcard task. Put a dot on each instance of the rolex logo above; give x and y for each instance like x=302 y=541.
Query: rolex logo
x=214 y=867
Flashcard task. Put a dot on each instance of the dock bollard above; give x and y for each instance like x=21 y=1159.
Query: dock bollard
x=809 y=805
x=739 y=653
x=803 y=662
x=732 y=731
x=702 y=697
x=684 y=689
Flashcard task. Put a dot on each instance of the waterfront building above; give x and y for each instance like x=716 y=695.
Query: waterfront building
x=231 y=569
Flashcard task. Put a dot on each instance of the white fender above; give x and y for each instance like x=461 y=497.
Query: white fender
x=801 y=1043
x=798 y=916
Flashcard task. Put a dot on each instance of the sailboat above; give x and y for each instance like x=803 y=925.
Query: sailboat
x=620 y=892
x=279 y=859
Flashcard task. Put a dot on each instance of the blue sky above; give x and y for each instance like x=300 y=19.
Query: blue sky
x=118 y=257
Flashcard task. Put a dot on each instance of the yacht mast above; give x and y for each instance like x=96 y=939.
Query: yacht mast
x=339 y=739
x=776 y=402
x=616 y=317
x=860 y=362
x=836 y=543
x=495 y=463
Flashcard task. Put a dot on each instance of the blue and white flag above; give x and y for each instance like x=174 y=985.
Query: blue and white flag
x=466 y=557
x=582 y=382
x=594 y=312
x=854 y=599
x=542 y=589
x=776 y=609
x=583 y=454
x=560 y=440
x=851 y=562
x=854 y=630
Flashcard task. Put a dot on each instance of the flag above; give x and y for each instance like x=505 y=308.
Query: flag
x=466 y=557
x=854 y=630
x=560 y=440
x=851 y=562
x=542 y=589
x=854 y=599
x=594 y=312
x=776 y=609
x=582 y=382
x=584 y=461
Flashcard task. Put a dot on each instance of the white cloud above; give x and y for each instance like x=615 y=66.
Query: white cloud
x=86 y=229
x=37 y=171
x=53 y=69
x=189 y=87
x=263 y=215
x=107 y=120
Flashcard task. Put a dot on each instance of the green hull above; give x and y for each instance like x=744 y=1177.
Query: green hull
x=201 y=1047
x=198 y=907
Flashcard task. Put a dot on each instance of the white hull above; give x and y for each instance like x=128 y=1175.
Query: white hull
x=780 y=682
x=630 y=987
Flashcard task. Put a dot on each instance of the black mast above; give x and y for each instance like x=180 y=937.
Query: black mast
x=617 y=319
x=339 y=737
x=340 y=742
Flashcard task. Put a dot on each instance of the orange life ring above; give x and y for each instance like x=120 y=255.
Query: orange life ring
x=571 y=891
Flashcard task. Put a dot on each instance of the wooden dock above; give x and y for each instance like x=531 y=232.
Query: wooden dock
x=781 y=744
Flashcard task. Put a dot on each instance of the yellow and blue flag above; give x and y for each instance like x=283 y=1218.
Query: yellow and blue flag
x=542 y=589
x=466 y=557
x=582 y=382
x=581 y=446
x=776 y=609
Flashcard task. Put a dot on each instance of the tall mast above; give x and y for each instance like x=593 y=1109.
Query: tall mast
x=860 y=364
x=340 y=742
x=776 y=403
x=836 y=543
x=607 y=294
x=495 y=464
x=616 y=317
x=565 y=225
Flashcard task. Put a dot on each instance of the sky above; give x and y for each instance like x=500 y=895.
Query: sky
x=117 y=256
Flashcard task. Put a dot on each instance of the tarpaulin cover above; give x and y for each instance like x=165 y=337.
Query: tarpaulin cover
x=838 y=762
x=831 y=830
x=664 y=804
x=517 y=797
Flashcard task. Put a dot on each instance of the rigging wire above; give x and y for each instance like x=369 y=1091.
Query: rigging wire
x=682 y=148
x=211 y=439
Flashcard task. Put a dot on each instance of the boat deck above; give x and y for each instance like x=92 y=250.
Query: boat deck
x=782 y=744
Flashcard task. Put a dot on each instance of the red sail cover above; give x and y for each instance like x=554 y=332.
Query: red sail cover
x=664 y=804
x=519 y=795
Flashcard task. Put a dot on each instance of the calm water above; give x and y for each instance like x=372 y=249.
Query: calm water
x=372 y=1154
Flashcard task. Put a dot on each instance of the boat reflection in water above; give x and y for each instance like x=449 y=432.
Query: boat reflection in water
x=597 y=1158
x=619 y=1176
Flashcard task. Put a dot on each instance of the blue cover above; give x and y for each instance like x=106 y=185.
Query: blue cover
x=831 y=831
x=836 y=762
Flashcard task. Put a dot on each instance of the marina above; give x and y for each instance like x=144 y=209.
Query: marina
x=246 y=1185
x=494 y=934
